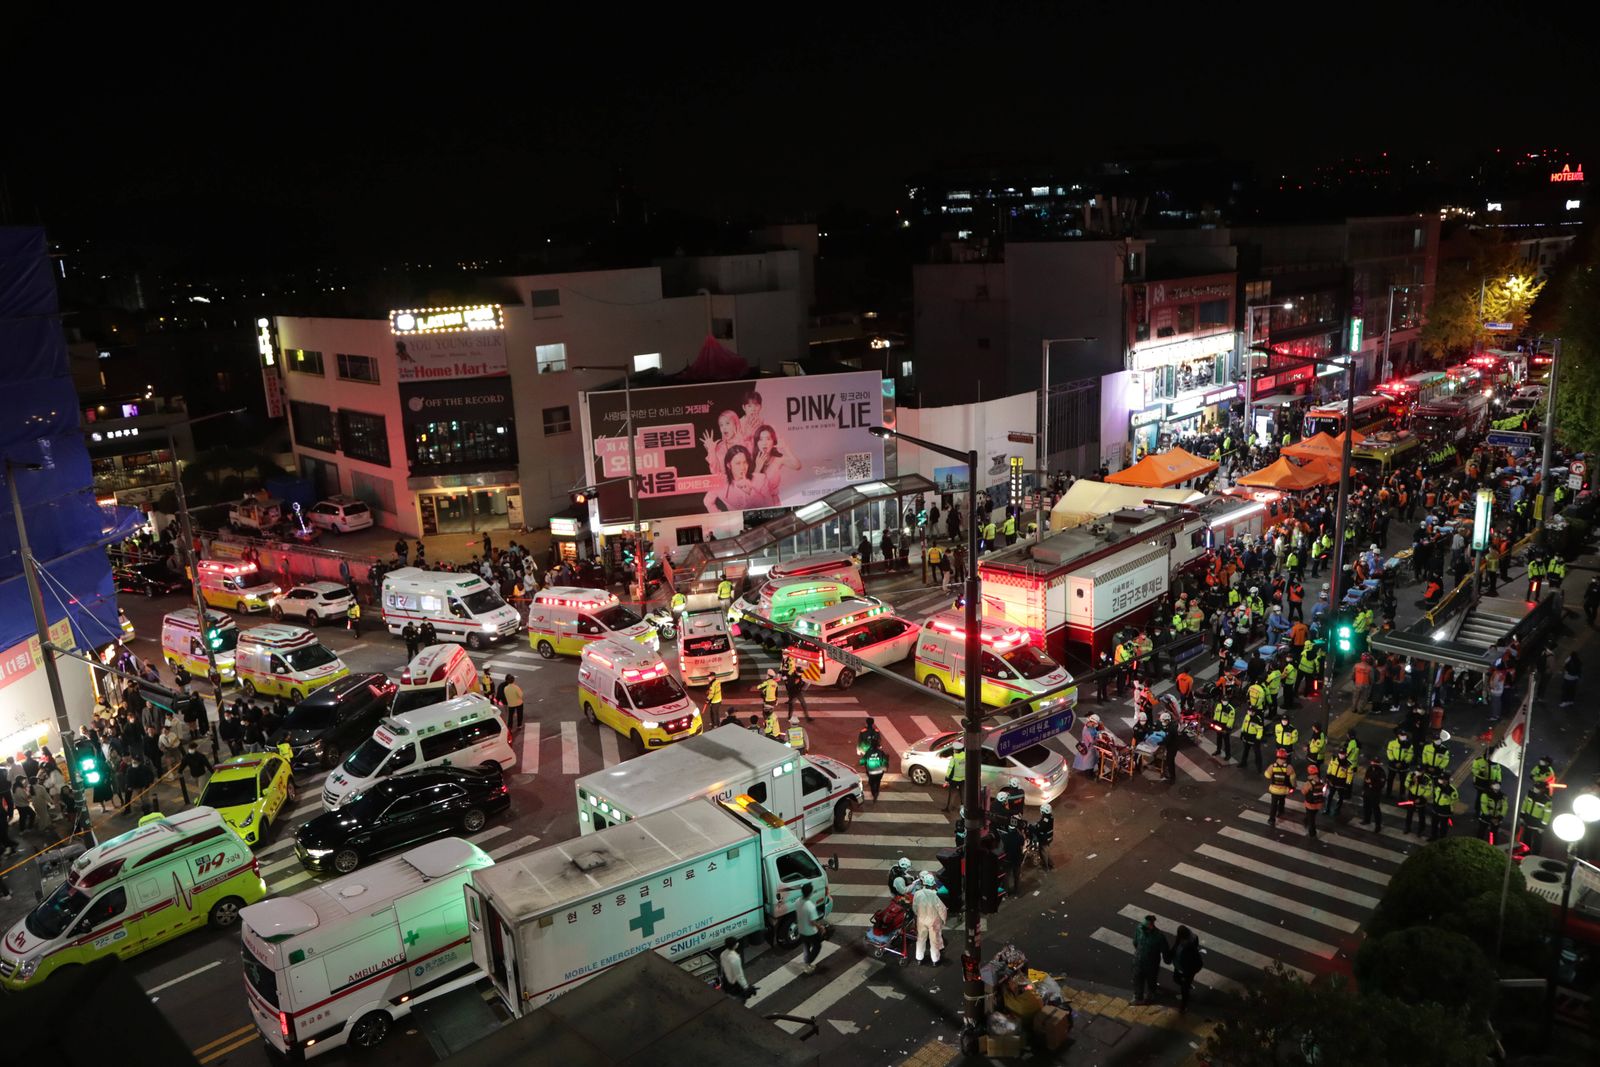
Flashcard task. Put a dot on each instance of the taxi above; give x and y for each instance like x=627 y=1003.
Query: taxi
x=249 y=791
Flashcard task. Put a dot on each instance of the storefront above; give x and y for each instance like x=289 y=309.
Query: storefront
x=1185 y=356
x=27 y=717
x=569 y=534
x=1282 y=398
x=468 y=503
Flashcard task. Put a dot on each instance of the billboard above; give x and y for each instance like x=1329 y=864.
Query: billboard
x=734 y=446
x=441 y=344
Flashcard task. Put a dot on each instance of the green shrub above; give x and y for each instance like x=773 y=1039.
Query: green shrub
x=1454 y=884
x=1425 y=964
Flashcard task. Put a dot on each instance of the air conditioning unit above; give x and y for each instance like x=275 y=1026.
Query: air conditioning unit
x=1545 y=877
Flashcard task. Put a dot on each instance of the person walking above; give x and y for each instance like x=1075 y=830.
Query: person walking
x=713 y=703
x=931 y=914
x=955 y=775
x=511 y=693
x=1315 y=792
x=1187 y=961
x=196 y=766
x=141 y=782
x=808 y=926
x=794 y=686
x=731 y=967
x=353 y=617
x=875 y=763
x=768 y=688
x=408 y=634
x=1373 y=787
x=1149 y=949
x=1280 y=783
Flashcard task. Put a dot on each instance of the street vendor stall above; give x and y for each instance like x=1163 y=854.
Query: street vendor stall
x=1164 y=470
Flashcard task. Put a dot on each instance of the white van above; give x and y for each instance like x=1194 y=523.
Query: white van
x=161 y=879
x=285 y=661
x=462 y=607
x=705 y=648
x=341 y=962
x=438 y=673
x=840 y=568
x=236 y=585
x=182 y=642
x=563 y=619
x=464 y=732
x=868 y=633
x=1014 y=670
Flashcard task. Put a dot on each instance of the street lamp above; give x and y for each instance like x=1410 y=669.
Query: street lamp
x=972 y=734
x=1570 y=827
x=633 y=470
x=1044 y=415
x=1388 y=325
x=1250 y=364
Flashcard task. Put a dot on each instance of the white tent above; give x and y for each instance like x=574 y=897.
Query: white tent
x=1088 y=500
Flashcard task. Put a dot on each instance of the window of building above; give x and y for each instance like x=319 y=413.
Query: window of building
x=545 y=298
x=551 y=358
x=303 y=362
x=1186 y=318
x=357 y=368
x=722 y=329
x=378 y=493
x=648 y=361
x=557 y=420
x=461 y=444
x=313 y=425
x=224 y=381
x=1214 y=313
x=364 y=437
x=905 y=368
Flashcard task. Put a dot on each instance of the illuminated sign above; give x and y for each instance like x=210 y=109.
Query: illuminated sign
x=1016 y=479
x=1355 y=334
x=446 y=320
x=265 y=344
x=1567 y=174
x=1148 y=415
x=1480 y=519
x=560 y=527
x=1573 y=205
x=1493 y=205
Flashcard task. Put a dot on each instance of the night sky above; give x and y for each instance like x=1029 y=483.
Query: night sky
x=338 y=134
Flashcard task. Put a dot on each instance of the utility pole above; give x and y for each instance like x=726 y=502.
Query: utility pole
x=1549 y=433
x=639 y=568
x=1336 y=570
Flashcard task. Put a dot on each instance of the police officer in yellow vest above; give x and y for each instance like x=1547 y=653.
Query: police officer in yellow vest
x=1418 y=798
x=1310 y=665
x=725 y=592
x=1342 y=777
x=1250 y=732
x=1274 y=686
x=1445 y=796
x=989 y=543
x=1009 y=528
x=1435 y=756
x=1291 y=677
x=954 y=775
x=680 y=603
x=1536 y=811
x=768 y=688
x=1222 y=720
x=797 y=736
x=1557 y=567
x=1317 y=744
x=1122 y=659
x=1492 y=807
x=1485 y=772
x=1284 y=733
x=1400 y=754
x=714 y=703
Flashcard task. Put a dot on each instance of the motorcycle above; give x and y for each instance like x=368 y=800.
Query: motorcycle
x=664 y=622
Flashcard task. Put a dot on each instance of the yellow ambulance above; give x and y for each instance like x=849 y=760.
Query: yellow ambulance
x=565 y=619
x=236 y=585
x=182 y=641
x=285 y=661
x=1014 y=671
x=629 y=688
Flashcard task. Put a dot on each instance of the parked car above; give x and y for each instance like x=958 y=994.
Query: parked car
x=325 y=725
x=1043 y=773
x=152 y=578
x=312 y=602
x=342 y=513
x=401 y=810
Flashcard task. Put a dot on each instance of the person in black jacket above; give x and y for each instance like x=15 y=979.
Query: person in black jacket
x=231 y=731
x=1186 y=963
x=195 y=764
x=141 y=780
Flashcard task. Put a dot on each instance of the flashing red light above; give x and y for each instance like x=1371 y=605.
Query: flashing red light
x=567 y=602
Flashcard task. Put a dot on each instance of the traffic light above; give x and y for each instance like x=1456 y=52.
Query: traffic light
x=88 y=760
x=580 y=497
x=214 y=637
x=1345 y=635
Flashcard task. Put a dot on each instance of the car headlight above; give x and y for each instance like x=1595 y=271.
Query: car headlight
x=248 y=819
x=651 y=725
x=26 y=968
x=318 y=853
x=488 y=626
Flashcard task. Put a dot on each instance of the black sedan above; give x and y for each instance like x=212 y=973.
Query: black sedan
x=334 y=719
x=400 y=811
x=152 y=578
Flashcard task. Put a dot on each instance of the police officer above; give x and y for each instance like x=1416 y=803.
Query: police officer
x=680 y=603
x=724 y=592
x=768 y=688
x=1445 y=796
x=1223 y=716
x=1485 y=772
x=408 y=634
x=1341 y=782
x=1103 y=668
x=1316 y=744
x=1250 y=732
x=1536 y=810
x=1373 y=787
x=1401 y=754
x=797 y=736
x=353 y=616
x=1419 y=798
x=1492 y=806
x=1284 y=733
x=1435 y=756
x=955 y=774
x=1280 y=783
x=714 y=703
x=1291 y=676
x=875 y=763
x=1310 y=667
x=1273 y=685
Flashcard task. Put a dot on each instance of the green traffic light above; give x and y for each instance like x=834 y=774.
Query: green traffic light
x=89 y=770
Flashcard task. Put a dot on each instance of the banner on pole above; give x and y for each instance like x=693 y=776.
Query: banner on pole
x=1515 y=742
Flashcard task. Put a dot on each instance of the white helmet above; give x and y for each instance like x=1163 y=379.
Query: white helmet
x=928 y=879
x=1093 y=720
x=1012 y=783
x=904 y=863
x=1373 y=548
x=1255 y=590
x=1228 y=643
x=1276 y=609
x=1044 y=809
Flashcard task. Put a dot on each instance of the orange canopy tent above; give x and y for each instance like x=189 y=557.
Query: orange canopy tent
x=1163 y=470
x=1283 y=475
x=1321 y=446
x=1325 y=471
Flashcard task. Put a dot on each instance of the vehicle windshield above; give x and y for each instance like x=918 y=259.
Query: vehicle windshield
x=261 y=978
x=366 y=759
x=57 y=912
x=1029 y=662
x=705 y=646
x=229 y=793
x=412 y=697
x=355 y=509
x=482 y=602
x=655 y=692
x=1330 y=426
x=1436 y=425
x=1035 y=757
x=310 y=717
x=308 y=659
x=616 y=617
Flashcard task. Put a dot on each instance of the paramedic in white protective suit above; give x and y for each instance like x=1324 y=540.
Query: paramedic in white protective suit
x=931 y=914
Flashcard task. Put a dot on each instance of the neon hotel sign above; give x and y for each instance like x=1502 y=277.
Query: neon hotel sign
x=1567 y=174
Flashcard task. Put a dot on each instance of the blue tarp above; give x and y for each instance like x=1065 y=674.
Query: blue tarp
x=39 y=424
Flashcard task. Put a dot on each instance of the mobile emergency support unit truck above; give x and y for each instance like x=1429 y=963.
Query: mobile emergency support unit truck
x=285 y=661
x=564 y=619
x=811 y=794
x=341 y=962
x=236 y=585
x=133 y=892
x=1014 y=671
x=628 y=688
x=462 y=607
x=182 y=642
x=678 y=882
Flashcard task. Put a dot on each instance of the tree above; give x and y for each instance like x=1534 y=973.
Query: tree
x=1510 y=299
x=1426 y=964
x=1461 y=295
x=1576 y=315
x=1454 y=883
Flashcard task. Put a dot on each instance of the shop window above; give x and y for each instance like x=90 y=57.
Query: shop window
x=461 y=444
x=357 y=368
x=557 y=420
x=551 y=358
x=1186 y=318
x=364 y=437
x=313 y=425
x=304 y=362
x=690 y=535
x=545 y=298
x=1214 y=313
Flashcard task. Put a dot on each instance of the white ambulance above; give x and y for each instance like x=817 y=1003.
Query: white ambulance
x=705 y=648
x=464 y=732
x=629 y=689
x=285 y=661
x=1014 y=671
x=462 y=607
x=340 y=963
x=183 y=642
x=868 y=634
x=564 y=619
x=438 y=673
x=839 y=568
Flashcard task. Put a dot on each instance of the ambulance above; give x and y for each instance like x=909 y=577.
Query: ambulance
x=839 y=568
x=129 y=894
x=705 y=648
x=284 y=661
x=438 y=673
x=464 y=732
x=183 y=644
x=462 y=607
x=779 y=603
x=868 y=634
x=342 y=962
x=1014 y=671
x=236 y=584
x=564 y=619
x=628 y=688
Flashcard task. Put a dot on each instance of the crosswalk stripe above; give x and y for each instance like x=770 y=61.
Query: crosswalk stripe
x=1193 y=769
x=1338 y=840
x=1278 y=874
x=884 y=841
x=858 y=889
x=889 y=796
x=1354 y=870
x=785 y=974
x=608 y=748
x=1296 y=804
x=1243 y=921
x=286 y=841
x=313 y=803
x=513 y=846
x=902 y=816
x=269 y=869
x=569 y=748
x=892 y=738
x=291 y=881
x=851 y=918
x=867 y=863
x=1221 y=946
x=1266 y=897
x=926 y=725
x=489 y=834
x=530 y=749
x=1210 y=979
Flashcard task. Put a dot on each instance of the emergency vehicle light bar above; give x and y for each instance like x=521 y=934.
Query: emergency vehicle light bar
x=218 y=566
x=565 y=602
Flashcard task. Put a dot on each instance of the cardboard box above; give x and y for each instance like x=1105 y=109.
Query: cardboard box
x=1010 y=1045
x=1055 y=1026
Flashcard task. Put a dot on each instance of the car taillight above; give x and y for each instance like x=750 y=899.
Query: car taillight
x=255 y=866
x=286 y=1027
x=1037 y=781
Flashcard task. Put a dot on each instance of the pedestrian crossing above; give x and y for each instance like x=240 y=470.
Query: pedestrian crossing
x=1259 y=895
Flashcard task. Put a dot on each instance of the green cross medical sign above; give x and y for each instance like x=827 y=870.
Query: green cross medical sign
x=411 y=938
x=649 y=915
